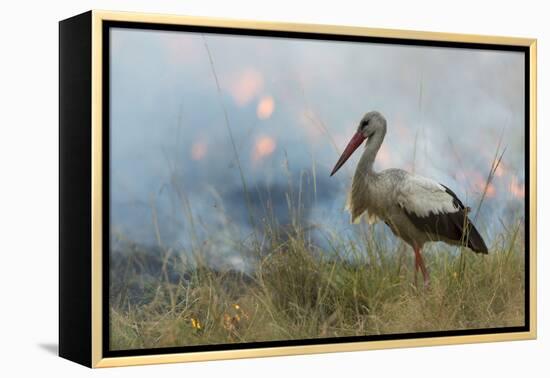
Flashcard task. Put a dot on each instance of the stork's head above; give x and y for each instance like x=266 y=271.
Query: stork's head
x=372 y=123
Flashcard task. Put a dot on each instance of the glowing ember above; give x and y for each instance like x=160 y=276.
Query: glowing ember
x=198 y=150
x=264 y=147
x=516 y=188
x=491 y=191
x=265 y=107
x=479 y=184
x=246 y=85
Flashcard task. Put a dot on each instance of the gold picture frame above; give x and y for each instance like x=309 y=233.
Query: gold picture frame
x=82 y=238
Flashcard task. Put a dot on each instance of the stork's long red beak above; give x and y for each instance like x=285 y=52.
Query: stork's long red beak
x=355 y=142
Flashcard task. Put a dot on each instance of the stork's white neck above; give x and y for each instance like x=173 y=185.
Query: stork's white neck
x=372 y=146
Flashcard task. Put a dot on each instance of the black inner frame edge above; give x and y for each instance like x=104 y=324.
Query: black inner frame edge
x=107 y=25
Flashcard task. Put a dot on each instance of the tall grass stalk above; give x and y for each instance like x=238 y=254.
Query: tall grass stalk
x=232 y=139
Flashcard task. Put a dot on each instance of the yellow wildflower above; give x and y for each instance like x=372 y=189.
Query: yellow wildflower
x=196 y=323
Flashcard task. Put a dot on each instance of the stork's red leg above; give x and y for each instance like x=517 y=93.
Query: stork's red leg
x=416 y=265
x=419 y=263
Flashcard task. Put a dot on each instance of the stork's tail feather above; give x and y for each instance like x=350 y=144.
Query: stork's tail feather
x=475 y=241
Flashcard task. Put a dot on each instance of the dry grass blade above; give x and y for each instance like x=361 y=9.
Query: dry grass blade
x=230 y=132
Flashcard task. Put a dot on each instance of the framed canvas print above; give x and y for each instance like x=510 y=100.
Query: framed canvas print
x=235 y=189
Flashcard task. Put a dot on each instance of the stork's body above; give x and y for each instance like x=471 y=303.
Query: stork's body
x=415 y=208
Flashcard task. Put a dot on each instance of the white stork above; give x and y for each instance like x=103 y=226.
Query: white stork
x=416 y=209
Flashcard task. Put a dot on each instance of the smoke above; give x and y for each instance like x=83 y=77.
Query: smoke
x=292 y=107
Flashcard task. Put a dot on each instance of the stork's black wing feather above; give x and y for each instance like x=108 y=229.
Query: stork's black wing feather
x=456 y=201
x=452 y=226
x=455 y=226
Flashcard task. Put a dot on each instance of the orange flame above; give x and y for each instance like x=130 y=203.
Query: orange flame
x=516 y=188
x=499 y=169
x=491 y=191
x=246 y=85
x=198 y=150
x=479 y=185
x=264 y=147
x=265 y=107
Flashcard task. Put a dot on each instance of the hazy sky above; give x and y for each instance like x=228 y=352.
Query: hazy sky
x=292 y=106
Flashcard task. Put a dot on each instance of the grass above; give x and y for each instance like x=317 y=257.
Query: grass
x=296 y=291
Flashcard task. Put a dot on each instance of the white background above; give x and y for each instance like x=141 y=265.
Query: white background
x=29 y=186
